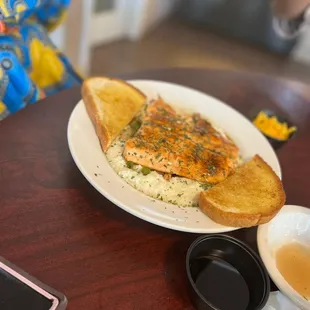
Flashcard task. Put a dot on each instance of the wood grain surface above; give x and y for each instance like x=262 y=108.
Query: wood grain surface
x=55 y=226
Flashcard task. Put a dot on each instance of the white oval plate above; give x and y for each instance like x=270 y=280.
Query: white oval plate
x=88 y=156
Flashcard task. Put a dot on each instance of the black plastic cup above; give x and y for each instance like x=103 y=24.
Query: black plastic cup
x=277 y=143
x=225 y=274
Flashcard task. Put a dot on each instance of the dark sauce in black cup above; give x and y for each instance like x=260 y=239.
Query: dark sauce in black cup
x=216 y=278
x=225 y=274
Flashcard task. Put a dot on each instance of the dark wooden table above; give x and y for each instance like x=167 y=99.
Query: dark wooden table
x=59 y=229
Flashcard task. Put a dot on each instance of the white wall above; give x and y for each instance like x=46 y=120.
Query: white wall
x=156 y=11
x=301 y=52
x=147 y=14
x=138 y=17
x=85 y=45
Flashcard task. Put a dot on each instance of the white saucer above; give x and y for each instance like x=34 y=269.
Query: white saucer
x=290 y=225
x=278 y=301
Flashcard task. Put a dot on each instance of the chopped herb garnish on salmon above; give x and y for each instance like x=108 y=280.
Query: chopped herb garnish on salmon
x=157 y=155
x=205 y=186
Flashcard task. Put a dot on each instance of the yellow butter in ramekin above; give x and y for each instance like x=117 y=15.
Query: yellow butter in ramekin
x=272 y=127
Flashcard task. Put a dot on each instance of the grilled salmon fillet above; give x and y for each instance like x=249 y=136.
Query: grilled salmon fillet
x=183 y=145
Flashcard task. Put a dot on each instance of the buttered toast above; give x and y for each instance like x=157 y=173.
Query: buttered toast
x=253 y=195
x=111 y=105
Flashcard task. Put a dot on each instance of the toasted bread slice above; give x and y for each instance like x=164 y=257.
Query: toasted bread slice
x=253 y=195
x=111 y=105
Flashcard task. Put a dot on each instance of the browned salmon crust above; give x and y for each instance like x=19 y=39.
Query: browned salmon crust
x=184 y=145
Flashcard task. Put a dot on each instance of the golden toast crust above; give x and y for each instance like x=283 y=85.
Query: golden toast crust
x=105 y=135
x=102 y=133
x=242 y=217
